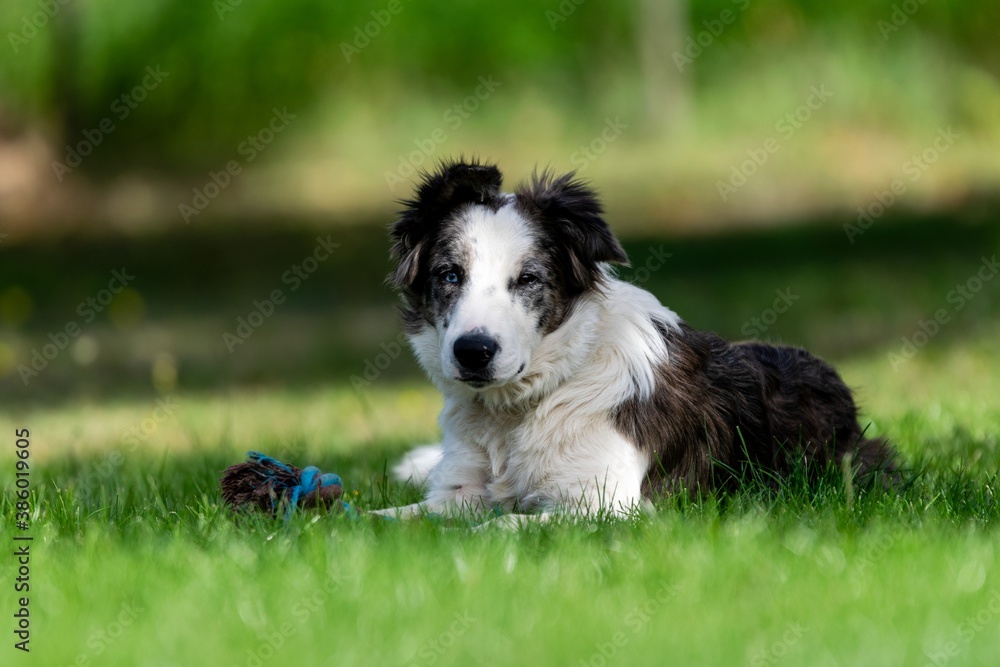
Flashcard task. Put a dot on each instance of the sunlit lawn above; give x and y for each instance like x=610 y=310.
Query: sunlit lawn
x=135 y=561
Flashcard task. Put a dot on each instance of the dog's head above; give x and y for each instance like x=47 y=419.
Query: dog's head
x=486 y=275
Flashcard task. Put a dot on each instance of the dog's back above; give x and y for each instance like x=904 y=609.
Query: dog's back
x=722 y=413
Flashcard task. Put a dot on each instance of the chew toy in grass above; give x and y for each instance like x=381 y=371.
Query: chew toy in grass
x=267 y=485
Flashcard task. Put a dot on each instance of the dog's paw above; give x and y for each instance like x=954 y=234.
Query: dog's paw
x=417 y=464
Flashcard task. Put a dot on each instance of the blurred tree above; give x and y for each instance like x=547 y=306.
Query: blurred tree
x=230 y=62
x=661 y=28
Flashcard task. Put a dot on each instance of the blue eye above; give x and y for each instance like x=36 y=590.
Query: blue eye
x=451 y=277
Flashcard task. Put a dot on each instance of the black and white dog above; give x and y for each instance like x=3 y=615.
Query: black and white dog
x=568 y=390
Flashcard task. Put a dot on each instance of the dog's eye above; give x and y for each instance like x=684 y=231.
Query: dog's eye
x=527 y=279
x=450 y=277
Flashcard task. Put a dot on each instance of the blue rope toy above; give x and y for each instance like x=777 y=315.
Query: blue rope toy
x=274 y=487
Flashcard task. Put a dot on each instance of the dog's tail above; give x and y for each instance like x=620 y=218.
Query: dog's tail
x=876 y=458
x=417 y=464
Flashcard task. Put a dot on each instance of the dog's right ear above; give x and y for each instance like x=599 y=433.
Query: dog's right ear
x=573 y=219
x=438 y=195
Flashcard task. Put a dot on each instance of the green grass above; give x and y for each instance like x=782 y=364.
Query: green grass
x=135 y=561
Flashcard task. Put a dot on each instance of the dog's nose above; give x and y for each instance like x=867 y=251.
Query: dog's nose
x=474 y=351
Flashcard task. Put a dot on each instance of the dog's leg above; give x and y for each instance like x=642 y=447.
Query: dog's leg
x=412 y=511
x=456 y=487
x=515 y=522
x=599 y=475
x=417 y=464
x=586 y=502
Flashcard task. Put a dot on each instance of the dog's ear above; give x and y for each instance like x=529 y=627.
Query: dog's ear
x=572 y=215
x=438 y=195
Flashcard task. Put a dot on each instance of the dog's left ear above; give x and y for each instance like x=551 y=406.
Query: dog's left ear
x=439 y=194
x=573 y=216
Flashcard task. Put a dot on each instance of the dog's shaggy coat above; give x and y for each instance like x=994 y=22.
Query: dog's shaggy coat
x=567 y=389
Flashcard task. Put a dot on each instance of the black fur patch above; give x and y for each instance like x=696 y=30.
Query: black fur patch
x=440 y=296
x=422 y=223
x=572 y=228
x=544 y=295
x=720 y=408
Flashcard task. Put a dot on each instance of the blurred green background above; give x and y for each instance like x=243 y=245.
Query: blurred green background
x=205 y=147
x=824 y=174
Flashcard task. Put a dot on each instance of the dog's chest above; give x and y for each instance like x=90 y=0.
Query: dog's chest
x=521 y=459
x=502 y=438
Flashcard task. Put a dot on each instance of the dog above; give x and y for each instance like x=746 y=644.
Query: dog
x=567 y=390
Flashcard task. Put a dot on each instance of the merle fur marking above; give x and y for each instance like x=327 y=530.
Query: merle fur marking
x=595 y=388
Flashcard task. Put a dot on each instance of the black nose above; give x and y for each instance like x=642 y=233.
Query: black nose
x=474 y=351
